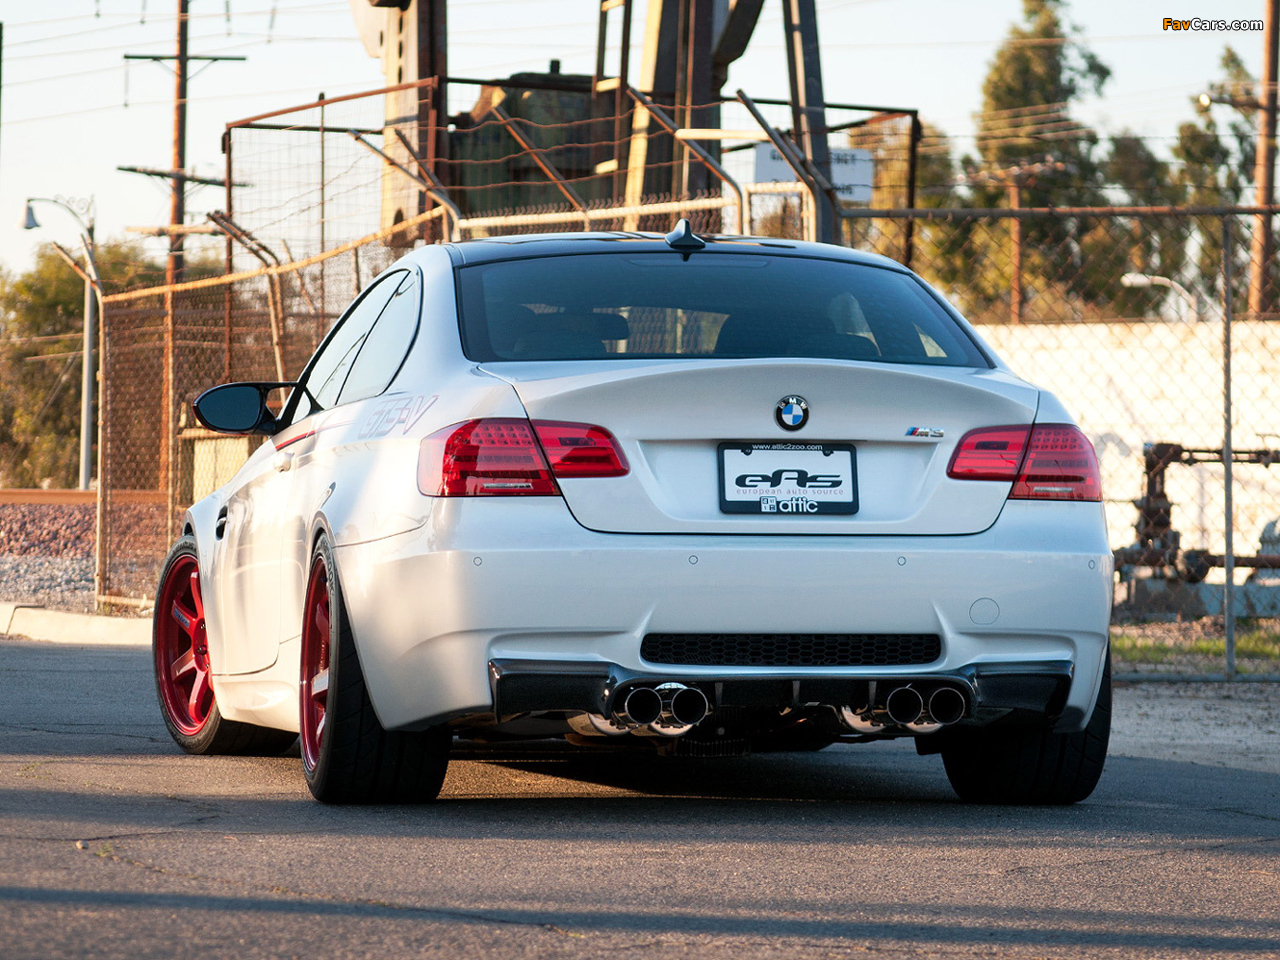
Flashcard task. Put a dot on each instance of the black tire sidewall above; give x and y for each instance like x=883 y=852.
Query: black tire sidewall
x=321 y=777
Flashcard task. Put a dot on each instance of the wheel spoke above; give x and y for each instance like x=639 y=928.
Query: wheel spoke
x=201 y=693
x=183 y=665
x=196 y=597
x=319 y=729
x=320 y=618
x=188 y=620
x=320 y=688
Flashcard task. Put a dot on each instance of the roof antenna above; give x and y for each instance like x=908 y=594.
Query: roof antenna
x=683 y=239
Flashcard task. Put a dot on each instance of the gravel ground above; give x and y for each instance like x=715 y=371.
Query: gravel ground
x=46 y=555
x=1214 y=724
x=60 y=583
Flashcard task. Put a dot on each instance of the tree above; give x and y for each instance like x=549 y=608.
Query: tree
x=1155 y=246
x=1216 y=163
x=888 y=141
x=41 y=331
x=1038 y=72
x=1032 y=153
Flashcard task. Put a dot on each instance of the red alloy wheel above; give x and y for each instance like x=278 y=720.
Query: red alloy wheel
x=182 y=650
x=314 y=695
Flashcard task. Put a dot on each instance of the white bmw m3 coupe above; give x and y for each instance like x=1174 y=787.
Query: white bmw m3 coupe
x=692 y=495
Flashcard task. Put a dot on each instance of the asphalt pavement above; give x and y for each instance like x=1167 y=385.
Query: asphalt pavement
x=115 y=844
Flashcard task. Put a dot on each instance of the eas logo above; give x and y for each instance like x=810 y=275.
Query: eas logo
x=800 y=478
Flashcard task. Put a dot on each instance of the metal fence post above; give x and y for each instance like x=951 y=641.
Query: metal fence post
x=1228 y=590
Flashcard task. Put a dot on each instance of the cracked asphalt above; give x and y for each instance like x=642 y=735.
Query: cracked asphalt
x=114 y=844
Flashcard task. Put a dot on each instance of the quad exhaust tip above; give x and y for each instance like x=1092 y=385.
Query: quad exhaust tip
x=641 y=707
x=904 y=705
x=668 y=710
x=946 y=705
x=922 y=711
x=682 y=706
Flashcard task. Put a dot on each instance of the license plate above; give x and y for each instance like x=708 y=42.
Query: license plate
x=788 y=479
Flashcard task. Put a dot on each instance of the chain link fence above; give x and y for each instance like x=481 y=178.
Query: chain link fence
x=1152 y=326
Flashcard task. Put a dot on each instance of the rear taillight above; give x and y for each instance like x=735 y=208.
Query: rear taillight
x=992 y=453
x=484 y=458
x=580 y=450
x=504 y=457
x=1060 y=465
x=1052 y=461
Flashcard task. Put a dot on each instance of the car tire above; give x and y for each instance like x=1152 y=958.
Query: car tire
x=1031 y=765
x=183 y=673
x=347 y=756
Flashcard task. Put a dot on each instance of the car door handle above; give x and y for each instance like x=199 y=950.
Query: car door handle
x=283 y=461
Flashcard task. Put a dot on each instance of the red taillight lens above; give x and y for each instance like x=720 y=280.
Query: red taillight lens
x=1052 y=461
x=484 y=458
x=1060 y=465
x=513 y=457
x=580 y=450
x=991 y=453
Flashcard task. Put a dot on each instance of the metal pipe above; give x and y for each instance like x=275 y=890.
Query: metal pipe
x=806 y=172
x=667 y=124
x=904 y=705
x=640 y=707
x=437 y=192
x=545 y=165
x=1228 y=506
x=908 y=231
x=427 y=181
x=594 y=725
x=92 y=298
x=682 y=706
x=947 y=705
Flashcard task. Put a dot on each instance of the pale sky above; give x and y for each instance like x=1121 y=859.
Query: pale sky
x=65 y=126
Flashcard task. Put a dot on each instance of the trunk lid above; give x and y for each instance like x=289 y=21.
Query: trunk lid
x=672 y=418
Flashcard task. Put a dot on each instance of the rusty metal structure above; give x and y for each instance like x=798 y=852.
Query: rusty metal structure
x=1159 y=544
x=648 y=151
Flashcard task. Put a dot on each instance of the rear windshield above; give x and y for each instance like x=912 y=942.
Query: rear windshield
x=659 y=305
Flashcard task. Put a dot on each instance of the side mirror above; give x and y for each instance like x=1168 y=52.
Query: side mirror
x=238 y=407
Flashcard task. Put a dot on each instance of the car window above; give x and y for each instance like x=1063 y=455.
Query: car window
x=384 y=349
x=730 y=305
x=328 y=369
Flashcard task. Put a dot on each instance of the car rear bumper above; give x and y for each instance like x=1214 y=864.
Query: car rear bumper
x=517 y=580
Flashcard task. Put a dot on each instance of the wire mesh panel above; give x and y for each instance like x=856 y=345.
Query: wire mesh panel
x=1121 y=314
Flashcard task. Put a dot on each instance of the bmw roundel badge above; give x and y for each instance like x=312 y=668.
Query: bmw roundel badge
x=792 y=413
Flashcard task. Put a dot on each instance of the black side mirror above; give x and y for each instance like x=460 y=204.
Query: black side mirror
x=238 y=408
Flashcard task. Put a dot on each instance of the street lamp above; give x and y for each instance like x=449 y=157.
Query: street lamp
x=1143 y=280
x=92 y=290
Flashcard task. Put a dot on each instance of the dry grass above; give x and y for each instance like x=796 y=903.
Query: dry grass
x=1196 y=646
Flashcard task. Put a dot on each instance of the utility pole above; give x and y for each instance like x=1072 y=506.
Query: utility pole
x=178 y=202
x=1013 y=180
x=175 y=263
x=1261 y=248
x=1014 y=186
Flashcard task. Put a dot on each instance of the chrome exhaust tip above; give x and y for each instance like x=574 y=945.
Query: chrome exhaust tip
x=904 y=705
x=640 y=707
x=682 y=706
x=947 y=705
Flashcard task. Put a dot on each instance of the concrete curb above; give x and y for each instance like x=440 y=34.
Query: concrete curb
x=59 y=626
